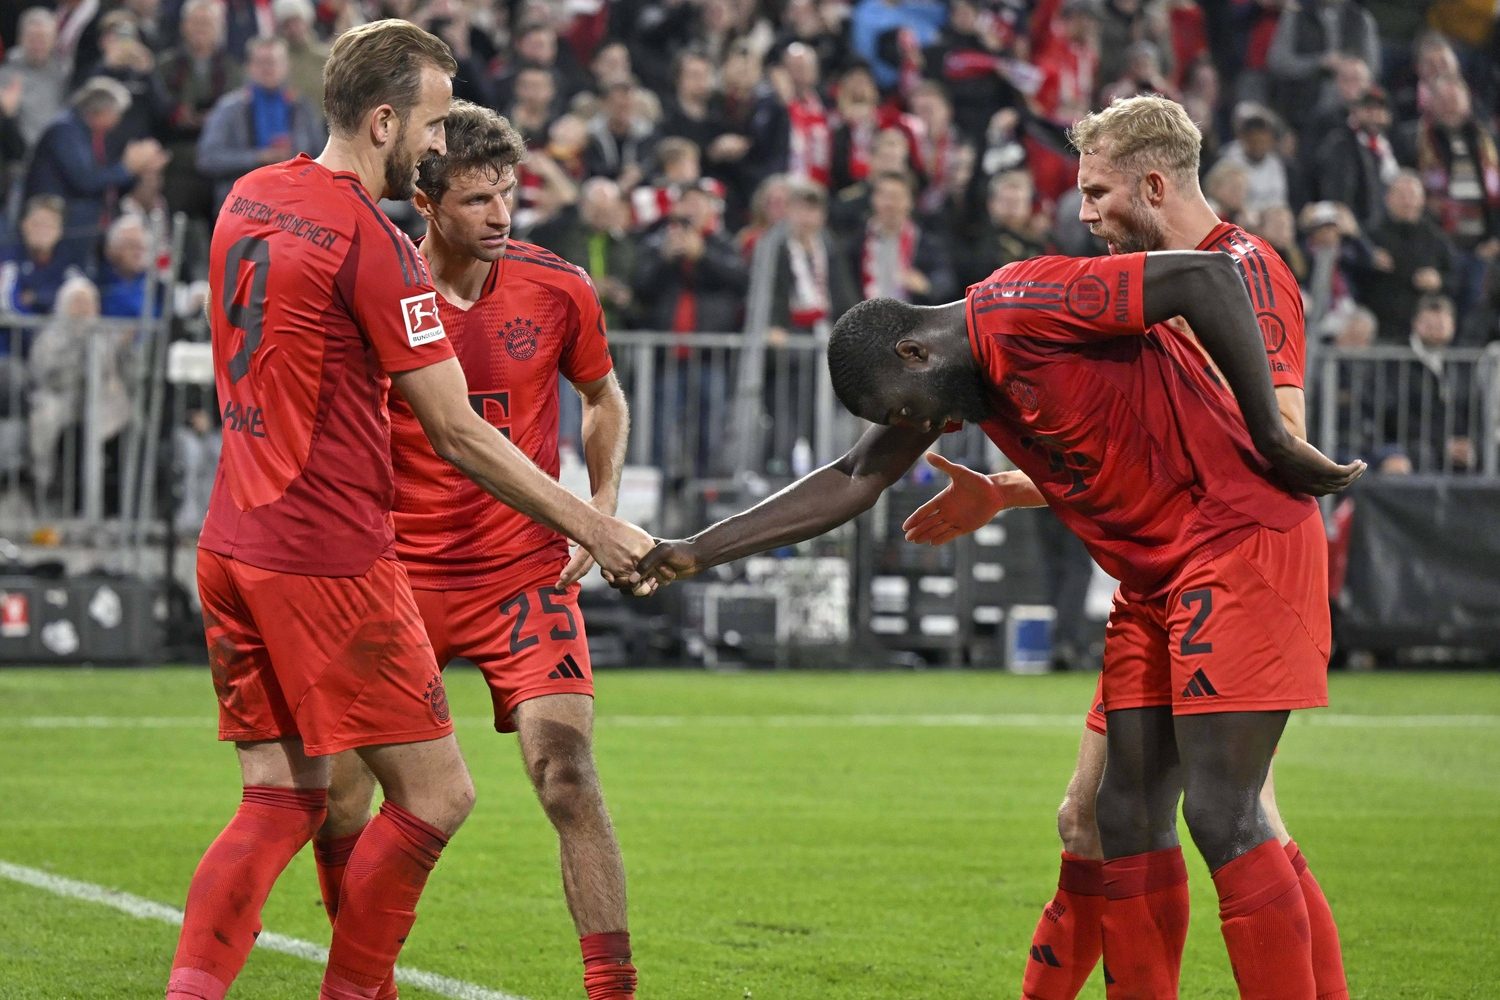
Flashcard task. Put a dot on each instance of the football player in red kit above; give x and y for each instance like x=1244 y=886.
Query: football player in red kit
x=492 y=584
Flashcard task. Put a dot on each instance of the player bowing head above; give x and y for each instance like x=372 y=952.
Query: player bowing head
x=386 y=89
x=905 y=365
x=466 y=193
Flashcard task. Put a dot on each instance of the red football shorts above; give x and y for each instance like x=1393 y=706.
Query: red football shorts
x=528 y=643
x=1244 y=631
x=340 y=661
x=1095 y=720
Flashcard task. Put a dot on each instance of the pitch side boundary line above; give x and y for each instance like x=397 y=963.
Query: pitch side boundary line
x=146 y=909
x=1316 y=718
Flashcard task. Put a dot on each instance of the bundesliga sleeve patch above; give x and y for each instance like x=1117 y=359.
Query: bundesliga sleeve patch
x=422 y=323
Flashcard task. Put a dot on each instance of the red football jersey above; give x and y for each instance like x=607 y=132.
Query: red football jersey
x=538 y=317
x=1130 y=441
x=315 y=296
x=1274 y=293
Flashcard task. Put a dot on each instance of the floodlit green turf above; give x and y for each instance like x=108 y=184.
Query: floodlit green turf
x=785 y=836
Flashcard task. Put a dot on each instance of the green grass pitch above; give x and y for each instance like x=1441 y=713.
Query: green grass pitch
x=787 y=836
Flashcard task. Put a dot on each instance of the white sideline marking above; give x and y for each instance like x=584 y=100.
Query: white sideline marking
x=146 y=909
x=959 y=721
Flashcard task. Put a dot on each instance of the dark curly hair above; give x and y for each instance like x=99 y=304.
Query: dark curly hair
x=479 y=140
x=862 y=350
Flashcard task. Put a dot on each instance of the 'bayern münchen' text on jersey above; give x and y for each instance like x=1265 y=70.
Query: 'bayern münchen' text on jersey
x=538 y=316
x=315 y=297
x=1126 y=435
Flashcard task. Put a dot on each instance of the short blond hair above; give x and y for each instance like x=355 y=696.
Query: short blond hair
x=1142 y=133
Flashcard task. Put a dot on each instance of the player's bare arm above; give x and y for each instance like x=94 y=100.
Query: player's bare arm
x=1206 y=290
x=606 y=431
x=438 y=396
x=818 y=502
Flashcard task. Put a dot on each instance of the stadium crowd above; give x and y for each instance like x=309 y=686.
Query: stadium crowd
x=911 y=147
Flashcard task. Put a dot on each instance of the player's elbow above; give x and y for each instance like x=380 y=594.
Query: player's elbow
x=455 y=439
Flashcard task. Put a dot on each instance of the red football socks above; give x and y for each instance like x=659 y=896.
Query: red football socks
x=222 y=917
x=378 y=903
x=607 y=972
x=1264 y=921
x=333 y=857
x=1070 y=935
x=1327 y=955
x=1145 y=924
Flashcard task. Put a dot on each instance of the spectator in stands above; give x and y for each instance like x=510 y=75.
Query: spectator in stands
x=894 y=257
x=1011 y=231
x=43 y=74
x=534 y=104
x=1351 y=81
x=811 y=283
x=1312 y=38
x=974 y=58
x=1227 y=186
x=855 y=124
x=1123 y=26
x=809 y=133
x=472 y=48
x=196 y=76
x=1142 y=74
x=32 y=273
x=1354 y=163
x=534 y=44
x=12 y=142
x=1256 y=131
x=123 y=275
x=877 y=27
x=262 y=122
x=694 y=110
x=689 y=276
x=548 y=179
x=1202 y=91
x=1430 y=416
x=678 y=168
x=622 y=141
x=1070 y=64
x=808 y=23
x=768 y=207
x=306 y=53
x=71 y=160
x=1411 y=257
x=1432 y=59
x=753 y=111
x=595 y=235
x=127 y=59
x=1335 y=252
x=1358 y=424
x=1458 y=159
x=58 y=363
x=812 y=279
x=850 y=207
x=936 y=142
x=611 y=64
x=1278 y=227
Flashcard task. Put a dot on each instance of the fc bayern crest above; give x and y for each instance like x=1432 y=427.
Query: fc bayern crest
x=521 y=337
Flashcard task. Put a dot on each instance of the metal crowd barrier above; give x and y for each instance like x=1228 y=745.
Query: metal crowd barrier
x=1438 y=413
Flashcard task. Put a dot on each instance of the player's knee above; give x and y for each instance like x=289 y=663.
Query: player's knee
x=453 y=803
x=565 y=784
x=1224 y=822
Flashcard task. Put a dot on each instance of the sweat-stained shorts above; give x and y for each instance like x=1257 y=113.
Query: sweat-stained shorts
x=340 y=661
x=528 y=642
x=1244 y=631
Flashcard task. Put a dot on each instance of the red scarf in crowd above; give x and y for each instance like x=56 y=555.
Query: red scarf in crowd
x=809 y=298
x=1434 y=163
x=811 y=152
